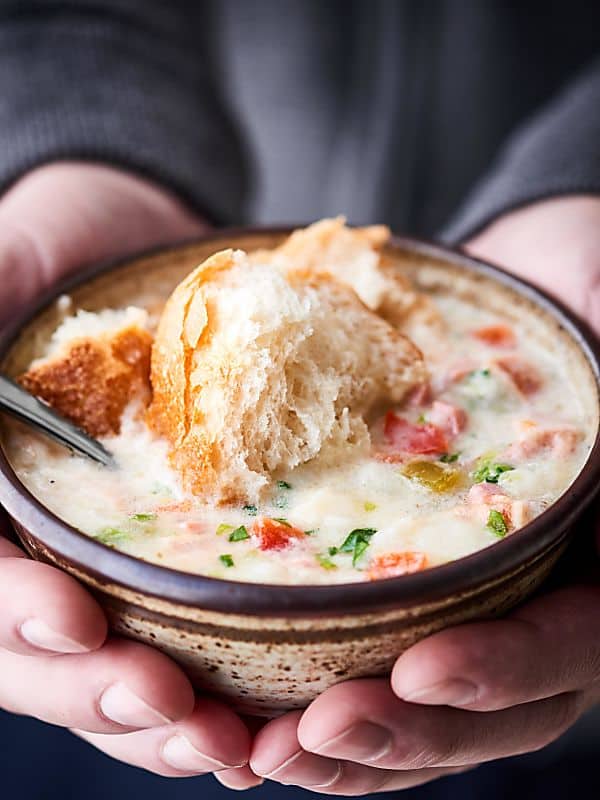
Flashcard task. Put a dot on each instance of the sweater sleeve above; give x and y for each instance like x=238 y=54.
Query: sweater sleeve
x=129 y=82
x=556 y=152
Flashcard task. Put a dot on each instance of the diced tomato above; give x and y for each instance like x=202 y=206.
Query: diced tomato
x=405 y=437
x=524 y=377
x=559 y=440
x=451 y=419
x=391 y=565
x=275 y=535
x=496 y=336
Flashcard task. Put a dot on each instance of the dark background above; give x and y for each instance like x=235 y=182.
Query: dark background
x=39 y=762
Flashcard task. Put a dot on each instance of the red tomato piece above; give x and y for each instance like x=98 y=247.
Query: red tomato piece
x=405 y=437
x=391 y=565
x=275 y=535
x=496 y=336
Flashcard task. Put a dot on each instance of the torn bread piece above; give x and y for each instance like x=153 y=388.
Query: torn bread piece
x=94 y=366
x=355 y=257
x=255 y=371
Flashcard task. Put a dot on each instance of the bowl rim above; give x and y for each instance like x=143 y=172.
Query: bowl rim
x=459 y=577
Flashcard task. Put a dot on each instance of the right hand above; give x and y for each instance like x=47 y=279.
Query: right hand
x=56 y=662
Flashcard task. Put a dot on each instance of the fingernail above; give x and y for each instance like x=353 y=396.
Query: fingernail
x=307 y=770
x=455 y=692
x=364 y=741
x=39 y=634
x=180 y=753
x=120 y=704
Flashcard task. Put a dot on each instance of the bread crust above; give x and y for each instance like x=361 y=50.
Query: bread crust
x=91 y=380
x=298 y=385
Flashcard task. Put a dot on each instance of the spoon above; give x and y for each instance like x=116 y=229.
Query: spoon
x=27 y=408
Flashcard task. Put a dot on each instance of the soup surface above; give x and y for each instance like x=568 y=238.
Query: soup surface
x=500 y=434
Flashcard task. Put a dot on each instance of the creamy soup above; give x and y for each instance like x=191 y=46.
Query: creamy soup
x=500 y=434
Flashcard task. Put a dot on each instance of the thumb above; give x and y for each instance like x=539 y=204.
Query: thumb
x=66 y=215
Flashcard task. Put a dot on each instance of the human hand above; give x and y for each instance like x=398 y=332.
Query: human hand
x=479 y=691
x=62 y=216
x=56 y=662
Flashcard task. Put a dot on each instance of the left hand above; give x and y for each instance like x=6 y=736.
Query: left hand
x=479 y=691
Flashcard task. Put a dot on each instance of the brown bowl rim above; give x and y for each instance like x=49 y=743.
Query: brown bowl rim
x=462 y=576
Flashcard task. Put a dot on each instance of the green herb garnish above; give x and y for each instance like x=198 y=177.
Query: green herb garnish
x=226 y=560
x=333 y=551
x=496 y=523
x=325 y=562
x=449 y=458
x=489 y=472
x=368 y=506
x=282 y=521
x=143 y=517
x=421 y=419
x=484 y=373
x=251 y=510
x=223 y=528
x=357 y=542
x=311 y=532
x=112 y=536
x=239 y=534
x=283 y=485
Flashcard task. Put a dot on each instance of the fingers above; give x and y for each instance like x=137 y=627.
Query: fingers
x=123 y=686
x=210 y=739
x=45 y=611
x=239 y=779
x=363 y=721
x=277 y=754
x=550 y=646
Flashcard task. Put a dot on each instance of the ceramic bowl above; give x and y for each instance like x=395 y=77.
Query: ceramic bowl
x=270 y=648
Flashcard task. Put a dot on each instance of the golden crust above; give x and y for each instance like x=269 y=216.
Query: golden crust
x=199 y=450
x=92 y=379
x=330 y=247
x=329 y=239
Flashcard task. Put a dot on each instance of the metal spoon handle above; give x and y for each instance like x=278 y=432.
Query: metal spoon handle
x=19 y=403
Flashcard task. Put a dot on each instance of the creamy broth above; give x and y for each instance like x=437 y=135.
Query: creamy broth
x=501 y=435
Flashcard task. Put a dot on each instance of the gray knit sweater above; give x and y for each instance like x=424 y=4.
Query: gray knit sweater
x=433 y=116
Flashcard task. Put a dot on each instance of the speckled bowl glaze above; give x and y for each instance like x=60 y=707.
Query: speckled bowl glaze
x=270 y=648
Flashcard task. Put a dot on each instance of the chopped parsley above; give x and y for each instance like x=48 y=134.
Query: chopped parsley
x=224 y=528
x=282 y=521
x=283 y=485
x=489 y=472
x=143 y=517
x=311 y=532
x=483 y=373
x=421 y=419
x=251 y=510
x=111 y=536
x=226 y=560
x=497 y=524
x=239 y=534
x=356 y=543
x=325 y=562
x=449 y=458
x=368 y=506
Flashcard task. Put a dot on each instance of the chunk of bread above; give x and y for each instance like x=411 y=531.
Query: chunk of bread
x=354 y=256
x=95 y=364
x=255 y=371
